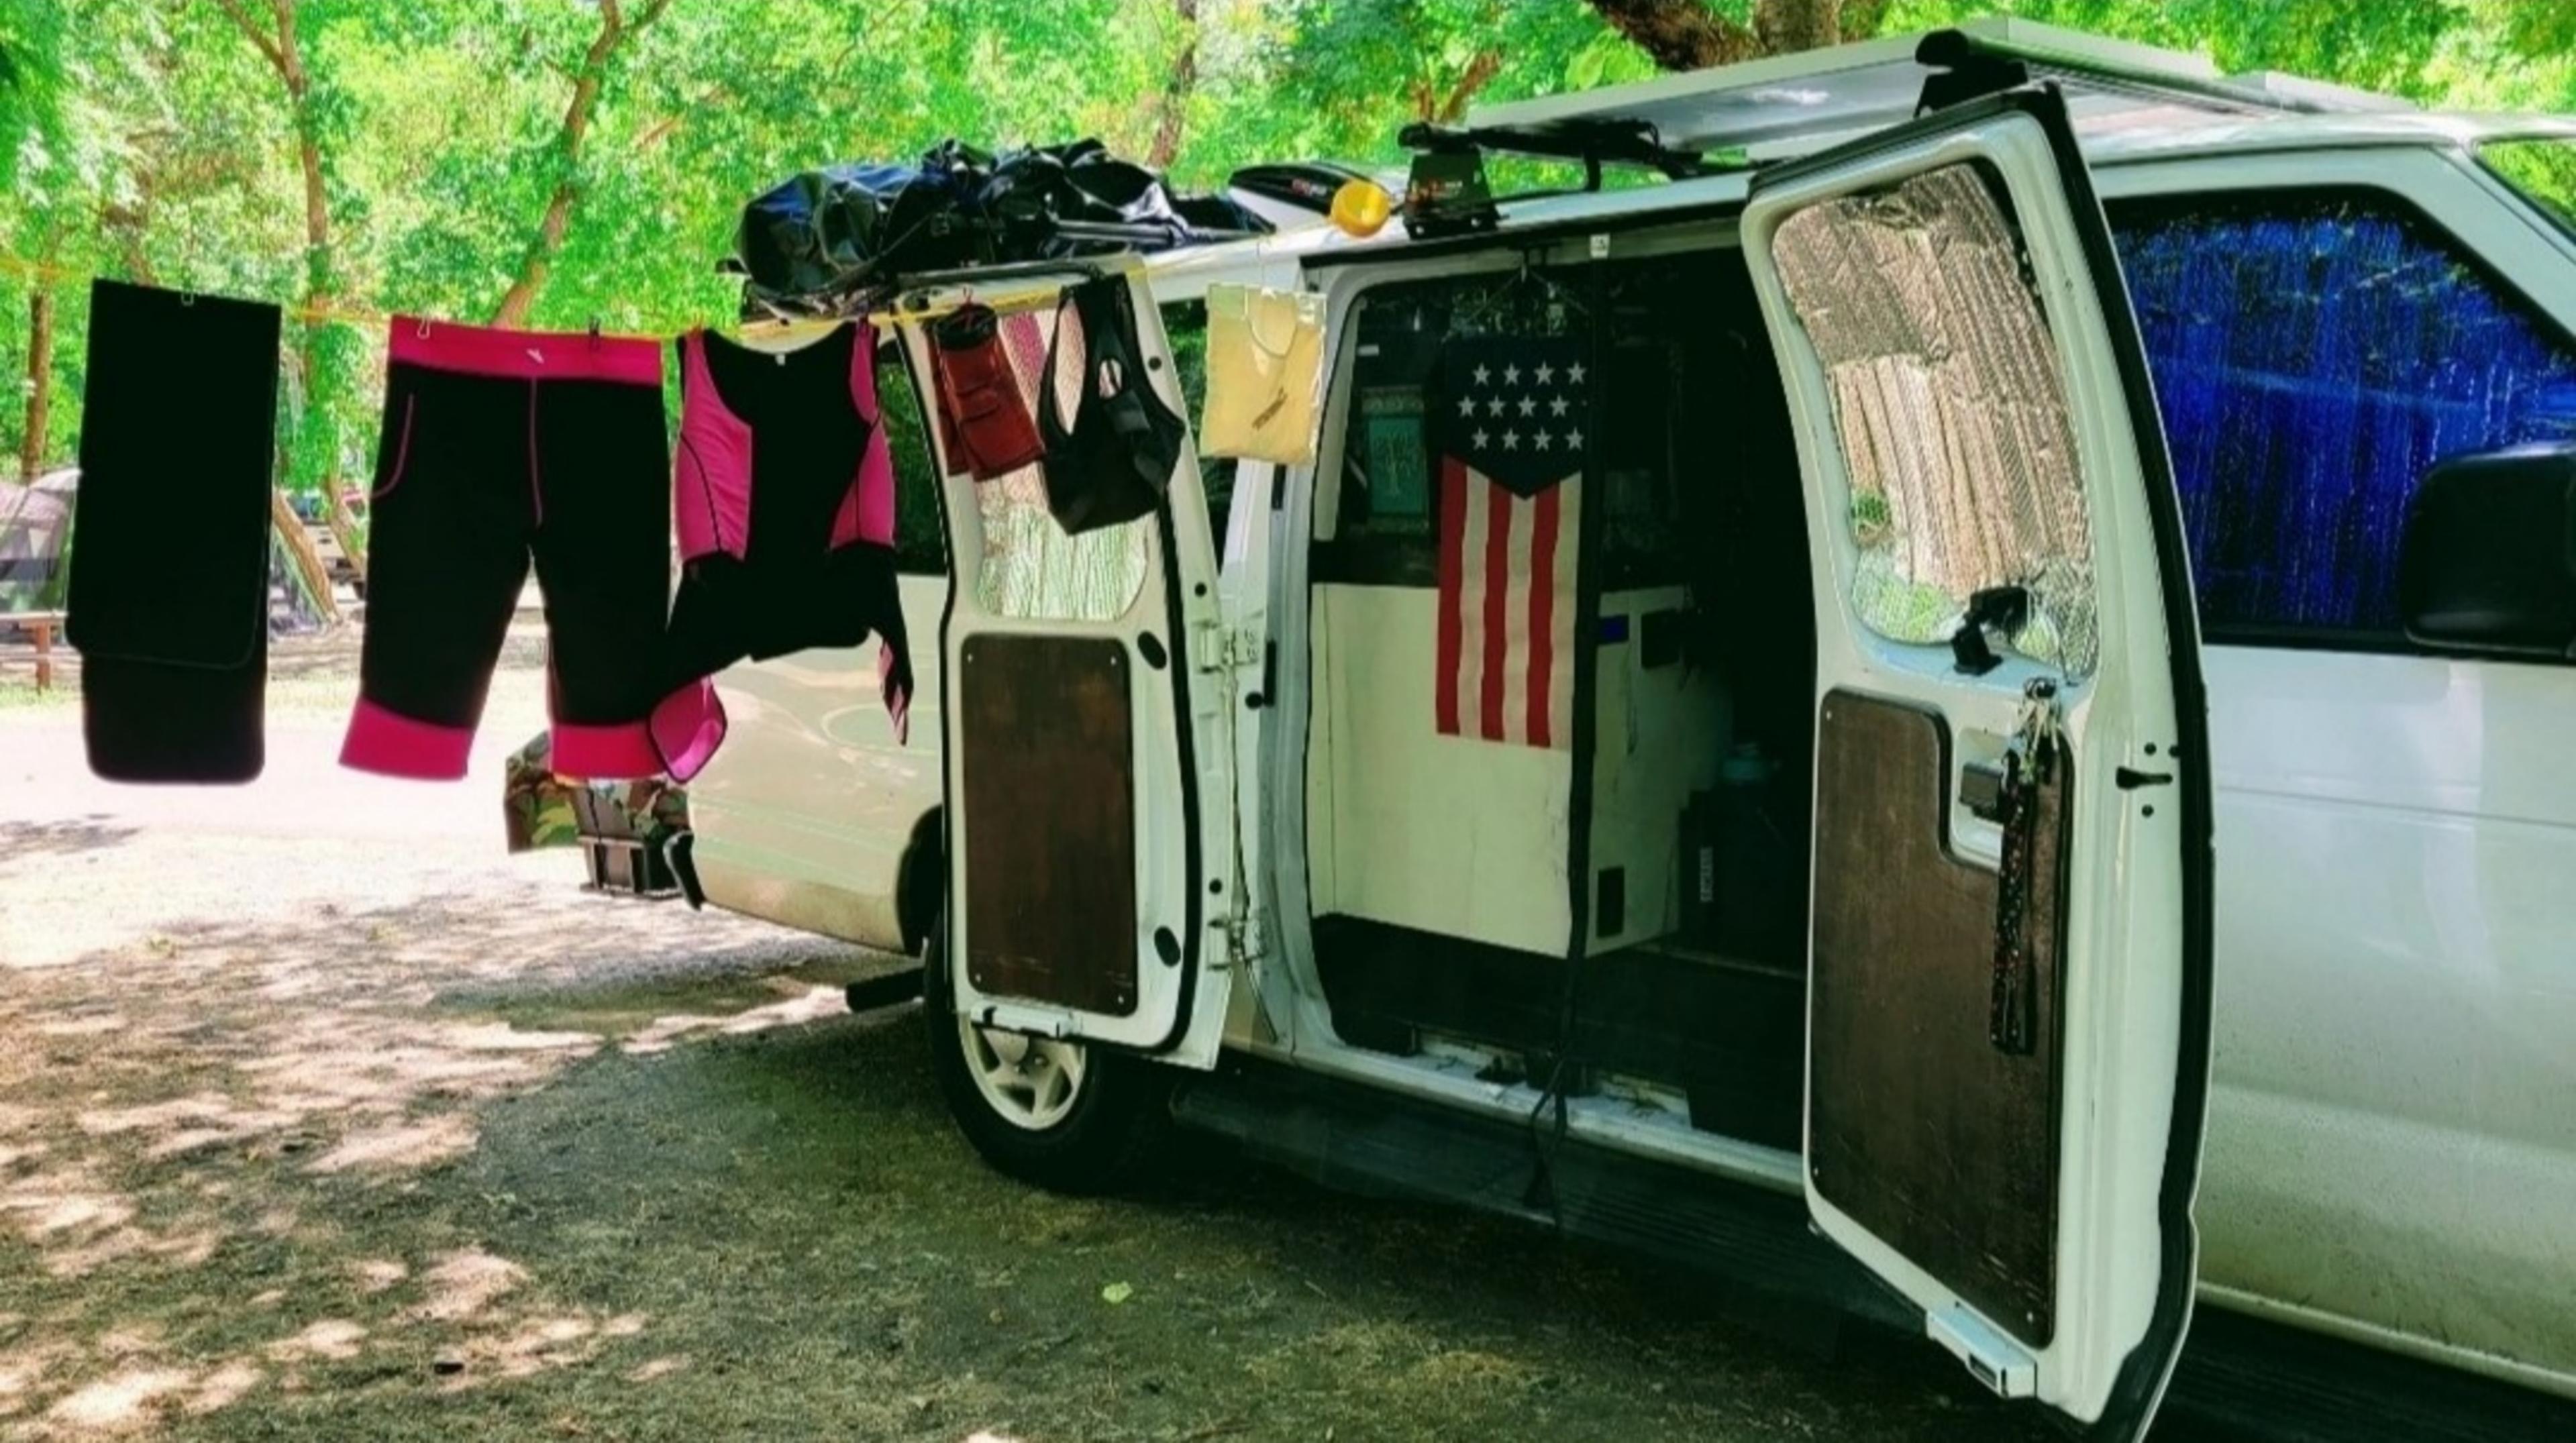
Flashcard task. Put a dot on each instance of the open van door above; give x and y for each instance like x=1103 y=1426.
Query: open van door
x=1083 y=715
x=2008 y=1005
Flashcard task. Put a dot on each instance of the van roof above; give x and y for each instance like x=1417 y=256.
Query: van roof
x=2131 y=104
x=1789 y=100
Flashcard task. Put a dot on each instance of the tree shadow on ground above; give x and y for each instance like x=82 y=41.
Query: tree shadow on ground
x=214 y=1135
x=472 y=1153
x=26 y=843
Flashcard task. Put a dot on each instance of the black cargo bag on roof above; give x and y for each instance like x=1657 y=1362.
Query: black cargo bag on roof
x=828 y=236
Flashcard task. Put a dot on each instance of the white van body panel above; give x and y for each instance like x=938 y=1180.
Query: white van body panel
x=2392 y=1149
x=803 y=815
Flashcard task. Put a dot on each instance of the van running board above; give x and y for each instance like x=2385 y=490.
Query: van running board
x=1367 y=1140
x=2239 y=1378
x=2243 y=1377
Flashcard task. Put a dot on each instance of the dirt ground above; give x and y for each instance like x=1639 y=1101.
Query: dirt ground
x=322 y=1118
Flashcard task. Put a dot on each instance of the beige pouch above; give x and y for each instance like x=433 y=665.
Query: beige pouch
x=1265 y=374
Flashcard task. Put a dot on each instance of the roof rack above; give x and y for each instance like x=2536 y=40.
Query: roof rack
x=1594 y=141
x=1789 y=103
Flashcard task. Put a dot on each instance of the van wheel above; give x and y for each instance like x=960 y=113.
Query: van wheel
x=1059 y=1114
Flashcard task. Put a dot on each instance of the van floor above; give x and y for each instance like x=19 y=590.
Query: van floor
x=1729 y=1033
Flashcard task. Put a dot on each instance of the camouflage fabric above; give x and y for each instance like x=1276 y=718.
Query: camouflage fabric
x=540 y=809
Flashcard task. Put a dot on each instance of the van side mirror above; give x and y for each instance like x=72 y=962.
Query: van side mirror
x=2487 y=564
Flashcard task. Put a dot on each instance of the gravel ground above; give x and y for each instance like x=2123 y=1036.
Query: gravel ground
x=322 y=1118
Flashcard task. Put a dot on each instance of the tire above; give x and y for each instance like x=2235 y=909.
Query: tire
x=1097 y=1139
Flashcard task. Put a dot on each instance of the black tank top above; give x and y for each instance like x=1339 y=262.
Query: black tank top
x=1112 y=459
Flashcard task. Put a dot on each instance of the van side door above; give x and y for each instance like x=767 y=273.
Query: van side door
x=2008 y=1008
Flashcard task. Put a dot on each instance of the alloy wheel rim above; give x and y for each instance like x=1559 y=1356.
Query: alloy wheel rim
x=1028 y=1082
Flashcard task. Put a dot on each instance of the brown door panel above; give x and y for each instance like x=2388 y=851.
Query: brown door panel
x=1046 y=729
x=1920 y=1129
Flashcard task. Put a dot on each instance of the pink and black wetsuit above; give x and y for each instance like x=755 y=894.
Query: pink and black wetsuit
x=498 y=444
x=784 y=498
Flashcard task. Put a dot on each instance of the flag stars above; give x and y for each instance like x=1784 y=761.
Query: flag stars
x=1546 y=374
x=1466 y=406
x=1574 y=374
x=1540 y=440
x=1574 y=440
x=1511 y=375
x=1483 y=374
x=1557 y=406
x=1511 y=440
x=1529 y=405
x=1482 y=436
x=1494 y=407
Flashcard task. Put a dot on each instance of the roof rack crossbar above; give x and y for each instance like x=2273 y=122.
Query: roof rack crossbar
x=1593 y=142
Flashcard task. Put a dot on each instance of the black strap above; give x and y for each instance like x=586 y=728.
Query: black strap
x=2012 y=1018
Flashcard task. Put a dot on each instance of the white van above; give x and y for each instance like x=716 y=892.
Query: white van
x=1816 y=808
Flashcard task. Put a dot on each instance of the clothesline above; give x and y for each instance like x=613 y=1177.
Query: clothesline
x=46 y=273
x=963 y=293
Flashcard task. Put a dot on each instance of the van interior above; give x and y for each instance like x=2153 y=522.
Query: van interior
x=1438 y=865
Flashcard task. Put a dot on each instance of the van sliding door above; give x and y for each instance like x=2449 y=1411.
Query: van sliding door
x=2008 y=1005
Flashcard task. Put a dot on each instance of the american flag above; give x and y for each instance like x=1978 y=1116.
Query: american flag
x=1511 y=415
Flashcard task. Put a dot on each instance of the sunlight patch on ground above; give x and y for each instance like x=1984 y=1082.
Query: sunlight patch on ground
x=463 y=1284
x=661 y=1367
x=404 y=1145
x=812 y=1005
x=331 y=1338
x=24 y=1370
x=223 y=1387
x=123 y=1402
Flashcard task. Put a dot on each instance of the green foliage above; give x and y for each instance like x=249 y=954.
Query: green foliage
x=30 y=78
x=2544 y=170
x=2383 y=45
x=151 y=139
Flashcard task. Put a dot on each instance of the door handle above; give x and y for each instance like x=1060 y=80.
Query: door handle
x=2130 y=778
x=1981 y=790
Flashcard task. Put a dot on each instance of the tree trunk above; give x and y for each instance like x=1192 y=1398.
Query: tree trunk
x=40 y=378
x=1480 y=71
x=1431 y=103
x=1177 y=91
x=286 y=57
x=344 y=529
x=1687 y=35
x=307 y=556
x=557 y=219
x=1680 y=34
x=1787 y=26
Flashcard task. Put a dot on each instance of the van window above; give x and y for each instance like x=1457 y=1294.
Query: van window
x=2314 y=354
x=919 y=547
x=1951 y=411
x=1185 y=325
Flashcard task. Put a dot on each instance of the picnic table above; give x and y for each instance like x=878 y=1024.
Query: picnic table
x=39 y=625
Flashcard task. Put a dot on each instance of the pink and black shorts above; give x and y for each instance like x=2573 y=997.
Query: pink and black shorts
x=500 y=445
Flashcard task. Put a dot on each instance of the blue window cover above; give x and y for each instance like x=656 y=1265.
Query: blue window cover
x=2314 y=354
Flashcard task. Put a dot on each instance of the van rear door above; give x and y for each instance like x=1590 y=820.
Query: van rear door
x=1084 y=716
x=2008 y=1007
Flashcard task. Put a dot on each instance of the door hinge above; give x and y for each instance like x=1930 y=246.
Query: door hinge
x=1992 y=1358
x=1217 y=647
x=1242 y=933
